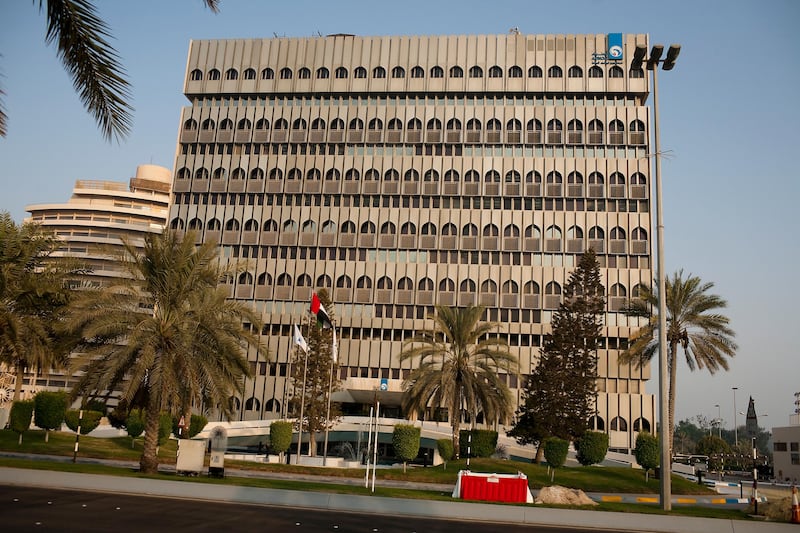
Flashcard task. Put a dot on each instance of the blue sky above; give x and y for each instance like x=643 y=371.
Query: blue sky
x=729 y=121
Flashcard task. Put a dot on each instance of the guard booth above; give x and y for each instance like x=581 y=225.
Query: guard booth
x=218 y=442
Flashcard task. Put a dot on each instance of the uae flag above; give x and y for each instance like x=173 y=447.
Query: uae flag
x=323 y=319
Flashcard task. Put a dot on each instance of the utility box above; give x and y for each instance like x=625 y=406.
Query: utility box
x=218 y=443
x=191 y=455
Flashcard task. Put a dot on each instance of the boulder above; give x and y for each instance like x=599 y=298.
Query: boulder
x=557 y=495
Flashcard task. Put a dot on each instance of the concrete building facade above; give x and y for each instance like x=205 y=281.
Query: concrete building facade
x=404 y=172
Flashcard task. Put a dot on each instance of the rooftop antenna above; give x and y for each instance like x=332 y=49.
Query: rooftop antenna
x=514 y=31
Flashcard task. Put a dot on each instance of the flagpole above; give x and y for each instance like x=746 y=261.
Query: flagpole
x=302 y=405
x=328 y=412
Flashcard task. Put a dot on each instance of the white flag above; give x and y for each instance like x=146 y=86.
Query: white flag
x=334 y=348
x=299 y=340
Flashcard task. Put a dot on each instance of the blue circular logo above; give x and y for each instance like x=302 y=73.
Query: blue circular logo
x=615 y=52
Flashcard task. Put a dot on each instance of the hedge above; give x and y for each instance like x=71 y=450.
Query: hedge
x=592 y=447
x=20 y=417
x=90 y=420
x=405 y=440
x=49 y=410
x=280 y=436
x=484 y=442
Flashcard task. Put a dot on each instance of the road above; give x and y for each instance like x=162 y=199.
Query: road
x=35 y=509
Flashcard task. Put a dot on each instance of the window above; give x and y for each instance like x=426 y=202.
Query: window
x=575 y=72
x=636 y=73
x=535 y=72
x=475 y=72
x=304 y=74
x=595 y=72
x=398 y=72
x=267 y=74
x=341 y=73
x=619 y=424
x=323 y=73
x=286 y=73
x=515 y=72
x=417 y=72
x=616 y=72
x=437 y=72
x=555 y=72
x=213 y=74
x=249 y=74
x=231 y=74
x=379 y=72
x=456 y=72
x=196 y=75
x=495 y=72
x=360 y=73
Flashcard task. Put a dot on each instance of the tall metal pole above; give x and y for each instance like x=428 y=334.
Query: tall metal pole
x=735 y=424
x=719 y=419
x=328 y=411
x=302 y=405
x=663 y=412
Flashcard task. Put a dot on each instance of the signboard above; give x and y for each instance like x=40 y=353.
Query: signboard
x=384 y=384
x=614 y=51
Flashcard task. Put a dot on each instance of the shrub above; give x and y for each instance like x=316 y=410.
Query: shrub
x=280 y=436
x=646 y=452
x=445 y=449
x=405 y=440
x=48 y=411
x=90 y=420
x=134 y=425
x=484 y=442
x=20 y=417
x=555 y=453
x=711 y=445
x=96 y=405
x=592 y=447
x=164 y=427
x=196 y=424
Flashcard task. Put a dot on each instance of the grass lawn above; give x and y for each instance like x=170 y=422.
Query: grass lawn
x=589 y=479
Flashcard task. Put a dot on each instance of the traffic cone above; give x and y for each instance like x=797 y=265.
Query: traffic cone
x=795 y=507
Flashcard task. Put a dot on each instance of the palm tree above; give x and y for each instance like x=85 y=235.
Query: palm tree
x=693 y=324
x=33 y=296
x=81 y=37
x=168 y=330
x=458 y=365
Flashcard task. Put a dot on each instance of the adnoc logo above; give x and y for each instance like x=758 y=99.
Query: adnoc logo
x=615 y=46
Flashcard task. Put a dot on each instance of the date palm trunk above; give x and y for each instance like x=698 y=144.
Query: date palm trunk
x=673 y=378
x=148 y=463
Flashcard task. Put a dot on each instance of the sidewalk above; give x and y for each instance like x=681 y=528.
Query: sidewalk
x=484 y=512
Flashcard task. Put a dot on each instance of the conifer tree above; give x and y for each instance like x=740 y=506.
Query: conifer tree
x=318 y=376
x=559 y=395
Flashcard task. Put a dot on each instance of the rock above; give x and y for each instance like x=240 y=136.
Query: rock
x=558 y=495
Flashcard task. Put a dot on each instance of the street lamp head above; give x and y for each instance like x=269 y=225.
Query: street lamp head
x=638 y=56
x=655 y=55
x=672 y=55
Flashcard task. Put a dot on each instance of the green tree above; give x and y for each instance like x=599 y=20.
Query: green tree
x=316 y=370
x=457 y=365
x=559 y=396
x=555 y=453
x=693 y=324
x=646 y=451
x=196 y=424
x=81 y=38
x=280 y=437
x=134 y=425
x=33 y=298
x=49 y=409
x=482 y=442
x=87 y=423
x=445 y=448
x=166 y=332
x=592 y=447
x=20 y=417
x=405 y=441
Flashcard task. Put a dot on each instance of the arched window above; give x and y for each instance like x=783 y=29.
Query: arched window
x=238 y=174
x=619 y=424
x=360 y=73
x=533 y=131
x=226 y=124
x=344 y=282
x=196 y=75
x=213 y=74
x=495 y=72
x=252 y=404
x=616 y=72
x=456 y=72
x=555 y=72
x=636 y=73
x=267 y=74
x=574 y=132
x=286 y=73
x=352 y=175
x=398 y=72
x=340 y=73
x=535 y=72
x=304 y=73
x=184 y=174
x=201 y=174
x=244 y=124
x=258 y=174
x=323 y=73
x=379 y=72
x=552 y=295
x=177 y=223
x=220 y=173
x=493 y=131
x=595 y=72
x=575 y=72
x=637 y=132
x=214 y=225
x=269 y=226
x=641 y=424
x=475 y=72
x=616 y=132
x=385 y=283
x=429 y=228
x=208 y=124
x=596 y=132
x=417 y=72
x=554 y=130
x=515 y=72
x=190 y=125
x=262 y=124
x=231 y=74
x=364 y=282
x=249 y=74
x=597 y=423
x=437 y=72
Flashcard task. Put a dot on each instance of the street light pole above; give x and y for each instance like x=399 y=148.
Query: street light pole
x=735 y=426
x=719 y=419
x=666 y=429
